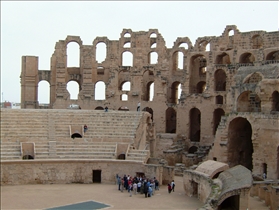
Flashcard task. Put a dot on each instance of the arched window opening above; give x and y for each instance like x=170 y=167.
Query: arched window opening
x=195 y=125
x=207 y=48
x=127 y=59
x=248 y=102
x=124 y=97
x=223 y=58
x=170 y=120
x=151 y=90
x=126 y=86
x=198 y=71
x=192 y=150
x=203 y=45
x=257 y=42
x=201 y=87
x=100 y=91
x=273 y=56
x=73 y=54
x=275 y=101
x=43 y=92
x=101 y=52
x=154 y=45
x=184 y=45
x=246 y=58
x=220 y=80
x=240 y=146
x=218 y=113
x=153 y=58
x=231 y=32
x=175 y=93
x=127 y=45
x=153 y=35
x=219 y=99
x=127 y=35
x=73 y=88
x=178 y=61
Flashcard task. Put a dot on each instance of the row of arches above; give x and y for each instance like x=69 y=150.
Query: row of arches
x=73 y=58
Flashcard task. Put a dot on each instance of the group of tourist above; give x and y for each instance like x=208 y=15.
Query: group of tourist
x=135 y=185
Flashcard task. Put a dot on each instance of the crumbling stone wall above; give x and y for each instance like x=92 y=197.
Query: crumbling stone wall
x=218 y=75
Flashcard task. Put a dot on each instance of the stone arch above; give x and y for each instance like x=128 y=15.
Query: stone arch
x=247 y=58
x=76 y=135
x=73 y=87
x=220 y=80
x=100 y=90
x=177 y=61
x=198 y=64
x=99 y=108
x=274 y=55
x=248 y=102
x=127 y=58
x=240 y=146
x=152 y=57
x=149 y=110
x=223 y=58
x=202 y=45
x=192 y=149
x=43 y=91
x=201 y=87
x=147 y=85
x=101 y=52
x=127 y=44
x=218 y=113
x=256 y=41
x=195 y=124
x=231 y=202
x=170 y=120
x=174 y=93
x=73 y=54
x=275 y=101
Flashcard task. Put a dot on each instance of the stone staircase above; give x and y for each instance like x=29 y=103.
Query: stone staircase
x=138 y=155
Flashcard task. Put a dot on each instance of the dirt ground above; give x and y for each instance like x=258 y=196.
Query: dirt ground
x=55 y=195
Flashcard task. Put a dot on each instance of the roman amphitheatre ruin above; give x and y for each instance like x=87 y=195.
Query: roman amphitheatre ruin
x=213 y=118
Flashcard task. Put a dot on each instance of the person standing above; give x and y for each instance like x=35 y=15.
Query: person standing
x=138 y=107
x=169 y=188
x=119 y=181
x=172 y=185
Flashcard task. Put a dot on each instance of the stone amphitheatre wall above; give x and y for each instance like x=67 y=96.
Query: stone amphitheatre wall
x=219 y=76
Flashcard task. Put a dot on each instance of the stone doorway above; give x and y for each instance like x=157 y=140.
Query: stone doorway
x=170 y=120
x=231 y=203
x=195 y=124
x=96 y=176
x=240 y=146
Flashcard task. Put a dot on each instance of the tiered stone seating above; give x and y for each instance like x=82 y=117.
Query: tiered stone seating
x=10 y=151
x=49 y=130
x=138 y=155
x=29 y=125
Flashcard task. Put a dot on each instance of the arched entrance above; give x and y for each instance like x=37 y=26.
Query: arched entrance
x=170 y=120
x=240 y=146
x=76 y=135
x=195 y=124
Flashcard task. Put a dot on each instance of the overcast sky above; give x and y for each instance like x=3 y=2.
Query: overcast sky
x=33 y=28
